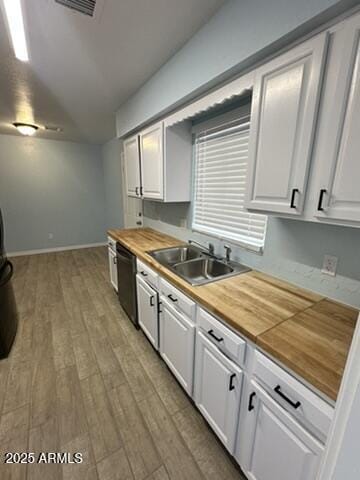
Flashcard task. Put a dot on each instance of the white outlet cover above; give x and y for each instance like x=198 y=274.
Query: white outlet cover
x=329 y=265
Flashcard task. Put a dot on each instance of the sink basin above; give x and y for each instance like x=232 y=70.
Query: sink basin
x=174 y=255
x=196 y=266
x=202 y=269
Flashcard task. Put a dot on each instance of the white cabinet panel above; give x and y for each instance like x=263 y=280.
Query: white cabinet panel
x=147 y=299
x=337 y=155
x=279 y=448
x=218 y=383
x=132 y=166
x=283 y=117
x=113 y=269
x=152 y=161
x=177 y=338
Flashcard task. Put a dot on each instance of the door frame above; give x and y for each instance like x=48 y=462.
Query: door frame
x=126 y=199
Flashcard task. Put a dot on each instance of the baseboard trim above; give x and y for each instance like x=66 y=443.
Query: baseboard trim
x=56 y=249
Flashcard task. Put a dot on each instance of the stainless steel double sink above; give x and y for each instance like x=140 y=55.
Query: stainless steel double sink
x=196 y=266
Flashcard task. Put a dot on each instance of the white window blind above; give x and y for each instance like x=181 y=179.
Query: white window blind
x=221 y=160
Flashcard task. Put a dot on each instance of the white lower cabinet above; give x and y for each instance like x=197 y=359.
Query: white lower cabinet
x=218 y=383
x=147 y=299
x=112 y=263
x=272 y=445
x=177 y=339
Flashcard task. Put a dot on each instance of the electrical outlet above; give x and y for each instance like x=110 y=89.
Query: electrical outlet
x=51 y=236
x=329 y=265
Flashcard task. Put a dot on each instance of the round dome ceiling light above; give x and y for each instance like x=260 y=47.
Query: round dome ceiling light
x=26 y=128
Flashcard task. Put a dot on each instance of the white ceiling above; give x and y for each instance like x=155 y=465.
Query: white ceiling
x=82 y=69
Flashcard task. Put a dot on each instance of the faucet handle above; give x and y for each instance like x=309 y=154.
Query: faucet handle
x=228 y=252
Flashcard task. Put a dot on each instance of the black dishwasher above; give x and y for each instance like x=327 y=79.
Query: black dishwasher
x=126 y=268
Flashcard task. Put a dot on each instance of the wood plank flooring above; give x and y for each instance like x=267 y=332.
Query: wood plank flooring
x=81 y=378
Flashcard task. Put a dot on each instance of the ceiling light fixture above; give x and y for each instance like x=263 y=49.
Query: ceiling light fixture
x=26 y=128
x=16 y=26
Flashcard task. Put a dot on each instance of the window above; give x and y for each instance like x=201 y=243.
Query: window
x=221 y=159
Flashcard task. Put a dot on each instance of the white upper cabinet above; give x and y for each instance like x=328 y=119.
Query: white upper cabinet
x=132 y=166
x=283 y=117
x=152 y=161
x=158 y=163
x=337 y=169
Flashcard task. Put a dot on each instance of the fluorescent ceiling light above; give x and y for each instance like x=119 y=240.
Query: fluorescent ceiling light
x=16 y=26
x=26 y=128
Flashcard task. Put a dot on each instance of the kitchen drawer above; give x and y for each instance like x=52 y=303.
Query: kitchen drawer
x=111 y=243
x=295 y=397
x=147 y=274
x=226 y=340
x=178 y=299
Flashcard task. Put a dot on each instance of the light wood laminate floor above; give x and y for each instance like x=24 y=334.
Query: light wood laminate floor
x=81 y=378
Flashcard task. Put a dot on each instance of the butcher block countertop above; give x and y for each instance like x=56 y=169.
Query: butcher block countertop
x=307 y=333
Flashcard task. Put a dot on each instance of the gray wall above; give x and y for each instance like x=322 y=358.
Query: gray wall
x=293 y=250
x=241 y=33
x=49 y=186
x=111 y=156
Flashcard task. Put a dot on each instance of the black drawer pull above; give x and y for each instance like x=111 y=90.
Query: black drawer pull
x=295 y=405
x=321 y=197
x=292 y=202
x=159 y=311
x=231 y=385
x=143 y=273
x=172 y=298
x=251 y=405
x=152 y=301
x=212 y=334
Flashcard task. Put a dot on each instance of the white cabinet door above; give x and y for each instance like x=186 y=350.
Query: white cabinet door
x=283 y=117
x=218 y=383
x=337 y=156
x=113 y=269
x=132 y=166
x=152 y=161
x=279 y=448
x=177 y=338
x=148 y=311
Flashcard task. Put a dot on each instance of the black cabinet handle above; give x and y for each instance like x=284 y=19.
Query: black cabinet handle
x=251 y=405
x=294 y=192
x=231 y=385
x=212 y=334
x=141 y=191
x=114 y=261
x=143 y=273
x=295 y=405
x=159 y=303
x=137 y=191
x=172 y=298
x=321 y=198
x=152 y=301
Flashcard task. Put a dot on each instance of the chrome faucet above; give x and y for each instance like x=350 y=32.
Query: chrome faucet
x=210 y=249
x=228 y=252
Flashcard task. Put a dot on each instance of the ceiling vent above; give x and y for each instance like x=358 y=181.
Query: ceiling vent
x=87 y=7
